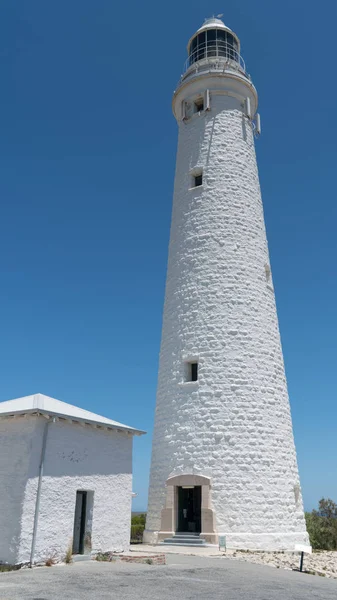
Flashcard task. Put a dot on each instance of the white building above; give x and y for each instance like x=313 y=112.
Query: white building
x=223 y=457
x=65 y=480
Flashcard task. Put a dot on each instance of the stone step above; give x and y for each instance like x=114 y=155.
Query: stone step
x=81 y=557
x=185 y=541
x=186 y=534
x=182 y=544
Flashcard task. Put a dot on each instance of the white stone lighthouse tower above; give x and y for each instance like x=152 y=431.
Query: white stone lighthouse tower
x=223 y=457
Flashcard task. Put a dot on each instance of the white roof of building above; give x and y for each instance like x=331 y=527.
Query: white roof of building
x=44 y=405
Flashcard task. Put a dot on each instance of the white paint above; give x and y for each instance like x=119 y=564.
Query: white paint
x=234 y=424
x=51 y=406
x=303 y=548
x=77 y=458
x=16 y=443
x=212 y=23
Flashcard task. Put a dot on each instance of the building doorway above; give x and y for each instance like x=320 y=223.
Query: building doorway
x=189 y=509
x=79 y=522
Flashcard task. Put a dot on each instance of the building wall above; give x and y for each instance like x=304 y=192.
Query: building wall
x=17 y=440
x=81 y=458
x=77 y=458
x=234 y=424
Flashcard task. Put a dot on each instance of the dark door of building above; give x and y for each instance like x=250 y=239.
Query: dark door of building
x=79 y=522
x=189 y=509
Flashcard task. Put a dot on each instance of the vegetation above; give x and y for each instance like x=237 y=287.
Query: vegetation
x=102 y=557
x=137 y=528
x=4 y=568
x=51 y=558
x=50 y=561
x=322 y=525
x=68 y=558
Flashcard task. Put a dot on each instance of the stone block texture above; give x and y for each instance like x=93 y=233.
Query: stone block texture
x=77 y=458
x=233 y=424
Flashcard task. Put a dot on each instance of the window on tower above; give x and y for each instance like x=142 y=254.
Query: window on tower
x=195 y=106
x=197 y=180
x=199 y=105
x=192 y=371
x=191 y=368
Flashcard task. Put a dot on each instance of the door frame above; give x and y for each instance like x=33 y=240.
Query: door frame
x=168 y=520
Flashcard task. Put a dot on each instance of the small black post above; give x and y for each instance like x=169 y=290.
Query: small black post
x=301 y=562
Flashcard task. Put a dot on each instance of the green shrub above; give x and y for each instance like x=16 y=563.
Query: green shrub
x=102 y=557
x=322 y=525
x=138 y=519
x=137 y=534
x=68 y=557
x=137 y=528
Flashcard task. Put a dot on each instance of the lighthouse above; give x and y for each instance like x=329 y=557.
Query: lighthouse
x=223 y=456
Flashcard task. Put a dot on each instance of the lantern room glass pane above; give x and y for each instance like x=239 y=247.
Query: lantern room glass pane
x=193 y=50
x=221 y=42
x=201 y=45
x=212 y=43
x=232 y=46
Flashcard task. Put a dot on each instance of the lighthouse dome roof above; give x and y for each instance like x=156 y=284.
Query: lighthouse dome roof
x=213 y=22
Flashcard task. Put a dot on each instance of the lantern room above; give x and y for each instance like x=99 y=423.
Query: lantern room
x=213 y=40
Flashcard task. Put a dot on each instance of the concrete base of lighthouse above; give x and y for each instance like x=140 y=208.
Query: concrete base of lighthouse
x=171 y=521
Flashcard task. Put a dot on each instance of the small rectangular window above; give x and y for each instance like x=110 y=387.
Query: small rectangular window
x=197 y=180
x=194 y=371
x=199 y=105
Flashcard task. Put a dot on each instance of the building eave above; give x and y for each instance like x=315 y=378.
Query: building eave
x=74 y=419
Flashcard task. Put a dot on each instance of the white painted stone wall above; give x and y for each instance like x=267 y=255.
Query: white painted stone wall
x=77 y=457
x=234 y=424
x=16 y=442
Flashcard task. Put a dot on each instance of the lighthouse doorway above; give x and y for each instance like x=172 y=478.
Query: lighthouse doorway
x=189 y=509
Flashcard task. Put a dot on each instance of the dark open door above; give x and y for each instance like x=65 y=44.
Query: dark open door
x=79 y=522
x=189 y=509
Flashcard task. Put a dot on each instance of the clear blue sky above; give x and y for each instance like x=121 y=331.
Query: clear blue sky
x=88 y=142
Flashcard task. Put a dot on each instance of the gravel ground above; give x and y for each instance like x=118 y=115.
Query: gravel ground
x=183 y=578
x=322 y=563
